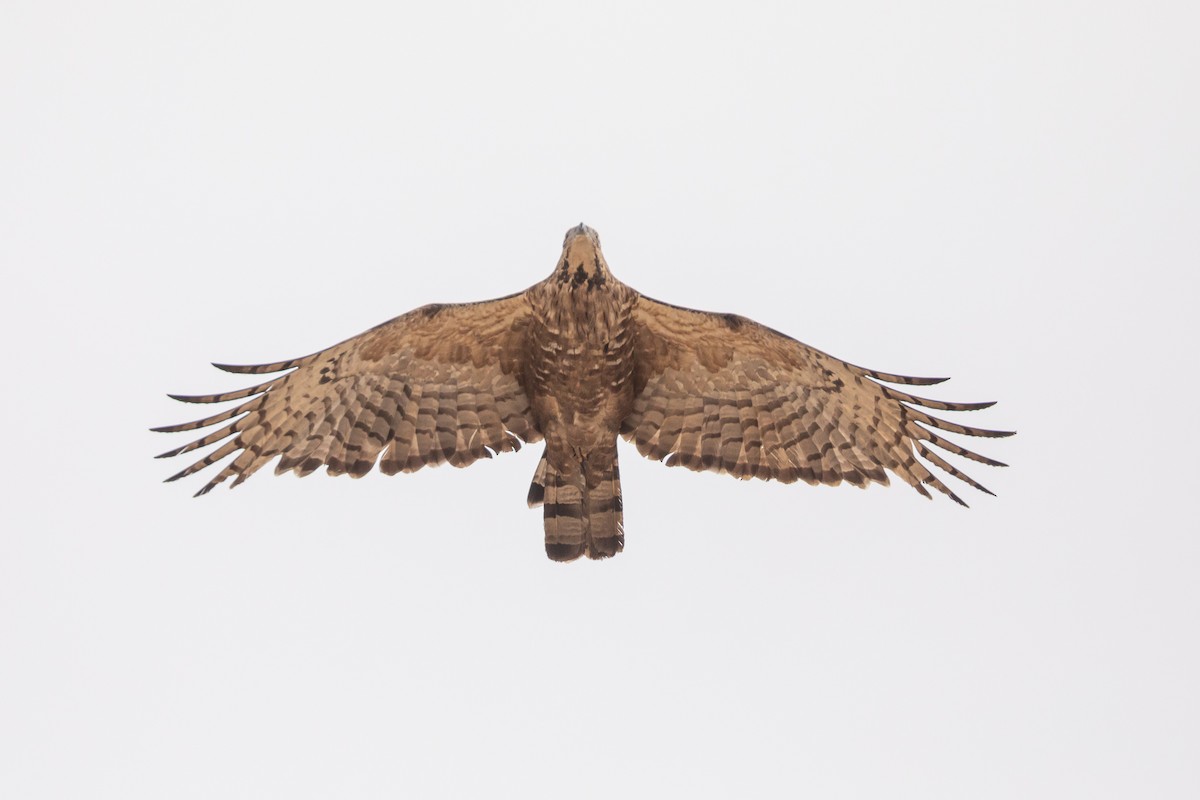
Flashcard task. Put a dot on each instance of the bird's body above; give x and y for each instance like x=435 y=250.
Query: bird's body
x=578 y=360
x=579 y=377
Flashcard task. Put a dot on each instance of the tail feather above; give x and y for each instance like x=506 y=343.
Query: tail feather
x=581 y=511
x=606 y=520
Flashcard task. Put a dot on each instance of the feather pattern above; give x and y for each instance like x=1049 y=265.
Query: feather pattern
x=818 y=419
x=578 y=360
x=342 y=407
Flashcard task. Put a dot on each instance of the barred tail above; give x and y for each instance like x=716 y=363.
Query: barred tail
x=581 y=512
x=605 y=520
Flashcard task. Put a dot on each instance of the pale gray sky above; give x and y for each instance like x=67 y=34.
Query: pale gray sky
x=1004 y=193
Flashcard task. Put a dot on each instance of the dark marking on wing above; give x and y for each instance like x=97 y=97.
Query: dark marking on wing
x=835 y=382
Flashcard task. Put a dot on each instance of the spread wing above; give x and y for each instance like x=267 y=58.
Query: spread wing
x=438 y=384
x=721 y=392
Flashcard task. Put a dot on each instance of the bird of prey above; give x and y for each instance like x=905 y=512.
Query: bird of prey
x=577 y=360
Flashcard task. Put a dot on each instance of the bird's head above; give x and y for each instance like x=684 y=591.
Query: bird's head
x=582 y=263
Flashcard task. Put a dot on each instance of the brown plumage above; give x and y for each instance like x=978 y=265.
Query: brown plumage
x=576 y=360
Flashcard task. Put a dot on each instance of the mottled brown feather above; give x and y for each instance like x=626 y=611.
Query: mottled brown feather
x=577 y=360
x=344 y=406
x=816 y=418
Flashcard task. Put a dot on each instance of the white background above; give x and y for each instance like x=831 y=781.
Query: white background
x=1003 y=192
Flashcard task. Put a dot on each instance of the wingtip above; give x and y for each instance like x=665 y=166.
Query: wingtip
x=937 y=484
x=181 y=474
x=259 y=369
x=906 y=380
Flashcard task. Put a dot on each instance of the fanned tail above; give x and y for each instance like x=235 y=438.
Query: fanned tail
x=581 y=512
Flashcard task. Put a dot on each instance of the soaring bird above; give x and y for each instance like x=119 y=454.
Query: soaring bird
x=577 y=360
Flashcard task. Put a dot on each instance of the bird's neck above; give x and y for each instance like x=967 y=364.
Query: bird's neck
x=593 y=309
